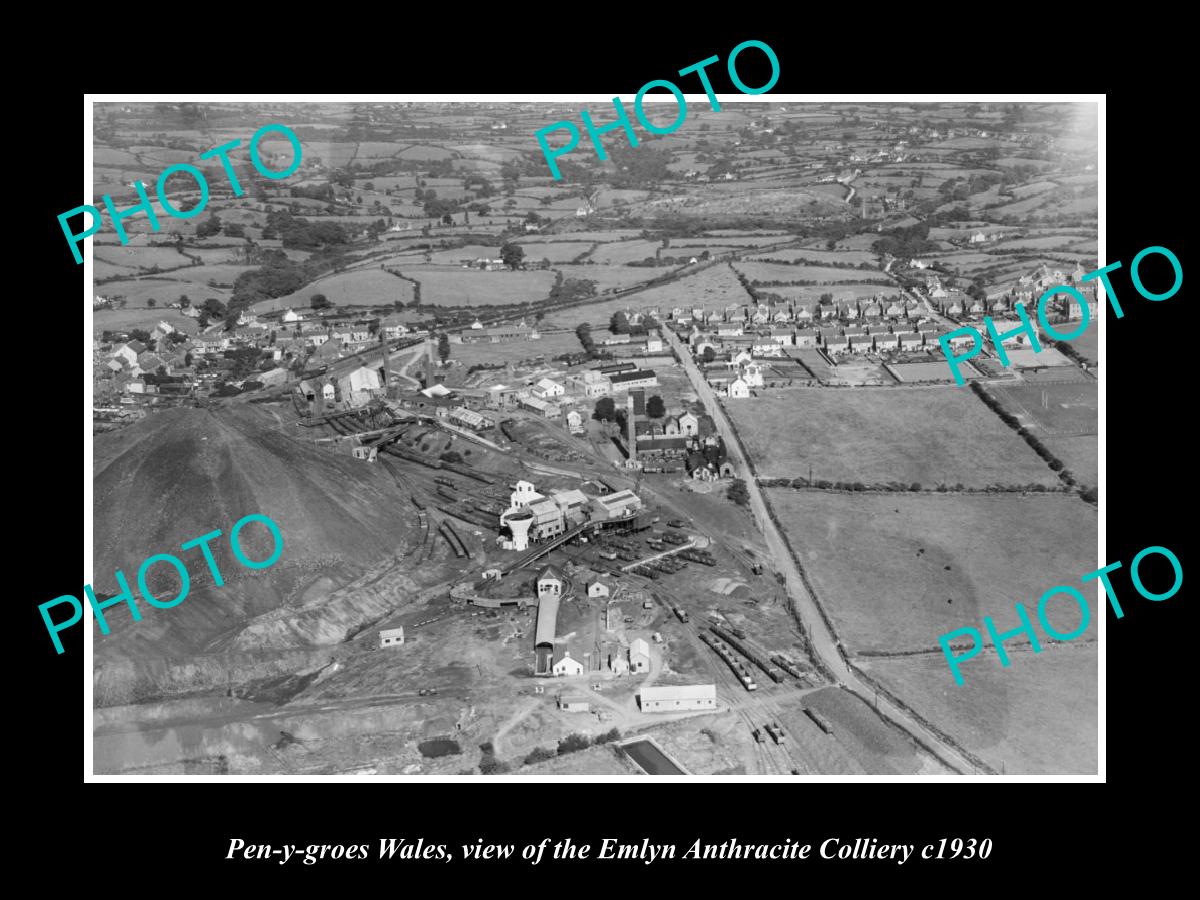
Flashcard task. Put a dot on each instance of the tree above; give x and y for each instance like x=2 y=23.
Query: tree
x=655 y=408
x=708 y=354
x=738 y=493
x=319 y=301
x=210 y=227
x=512 y=254
x=447 y=219
x=214 y=308
x=151 y=303
x=444 y=347
x=605 y=410
x=618 y=323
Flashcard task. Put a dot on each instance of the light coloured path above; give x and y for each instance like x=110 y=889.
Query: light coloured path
x=824 y=643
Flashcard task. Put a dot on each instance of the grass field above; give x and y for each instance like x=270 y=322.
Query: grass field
x=163 y=289
x=1079 y=455
x=361 y=287
x=712 y=287
x=926 y=435
x=896 y=571
x=1039 y=716
x=456 y=286
x=761 y=271
x=625 y=252
x=549 y=346
x=1070 y=407
x=817 y=257
x=141 y=317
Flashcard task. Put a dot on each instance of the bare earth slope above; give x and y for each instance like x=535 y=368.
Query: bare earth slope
x=183 y=473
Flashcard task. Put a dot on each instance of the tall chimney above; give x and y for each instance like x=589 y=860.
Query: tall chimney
x=383 y=341
x=629 y=423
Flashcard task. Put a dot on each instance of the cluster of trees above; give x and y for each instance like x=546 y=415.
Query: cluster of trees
x=512 y=254
x=276 y=277
x=566 y=290
x=322 y=192
x=738 y=492
x=298 y=233
x=319 y=301
x=912 y=240
x=618 y=323
x=210 y=227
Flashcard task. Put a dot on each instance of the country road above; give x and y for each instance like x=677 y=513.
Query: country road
x=825 y=643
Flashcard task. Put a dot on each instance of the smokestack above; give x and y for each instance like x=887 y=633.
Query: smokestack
x=383 y=341
x=629 y=423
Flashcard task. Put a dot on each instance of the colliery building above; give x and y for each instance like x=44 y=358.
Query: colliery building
x=678 y=698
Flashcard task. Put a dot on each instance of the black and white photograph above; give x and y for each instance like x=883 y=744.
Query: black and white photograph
x=527 y=439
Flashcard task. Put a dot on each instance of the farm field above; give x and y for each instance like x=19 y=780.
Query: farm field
x=163 y=289
x=817 y=257
x=1039 y=716
x=1071 y=407
x=141 y=317
x=625 y=252
x=606 y=277
x=360 y=287
x=549 y=346
x=809 y=294
x=1079 y=454
x=710 y=287
x=927 y=435
x=895 y=571
x=921 y=372
x=759 y=271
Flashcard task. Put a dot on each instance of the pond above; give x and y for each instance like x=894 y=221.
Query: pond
x=436 y=747
x=652 y=760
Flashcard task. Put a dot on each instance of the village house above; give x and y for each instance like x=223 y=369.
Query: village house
x=567 y=666
x=738 y=389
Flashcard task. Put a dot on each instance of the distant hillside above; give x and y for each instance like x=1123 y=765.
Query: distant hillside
x=181 y=473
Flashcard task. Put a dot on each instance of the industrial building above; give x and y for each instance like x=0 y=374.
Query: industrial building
x=678 y=697
x=623 y=381
x=468 y=418
x=616 y=506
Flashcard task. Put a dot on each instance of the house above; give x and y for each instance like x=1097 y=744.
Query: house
x=573 y=702
x=689 y=425
x=752 y=375
x=328 y=392
x=567 y=666
x=910 y=340
x=887 y=341
x=861 y=343
x=292 y=316
x=550 y=581
x=391 y=637
x=639 y=655
x=575 y=422
x=598 y=589
x=807 y=338
x=679 y=697
x=128 y=353
x=738 y=389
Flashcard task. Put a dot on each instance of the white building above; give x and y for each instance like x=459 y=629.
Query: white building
x=550 y=582
x=391 y=637
x=639 y=655
x=546 y=389
x=567 y=666
x=292 y=316
x=598 y=589
x=574 y=422
x=677 y=698
x=738 y=389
